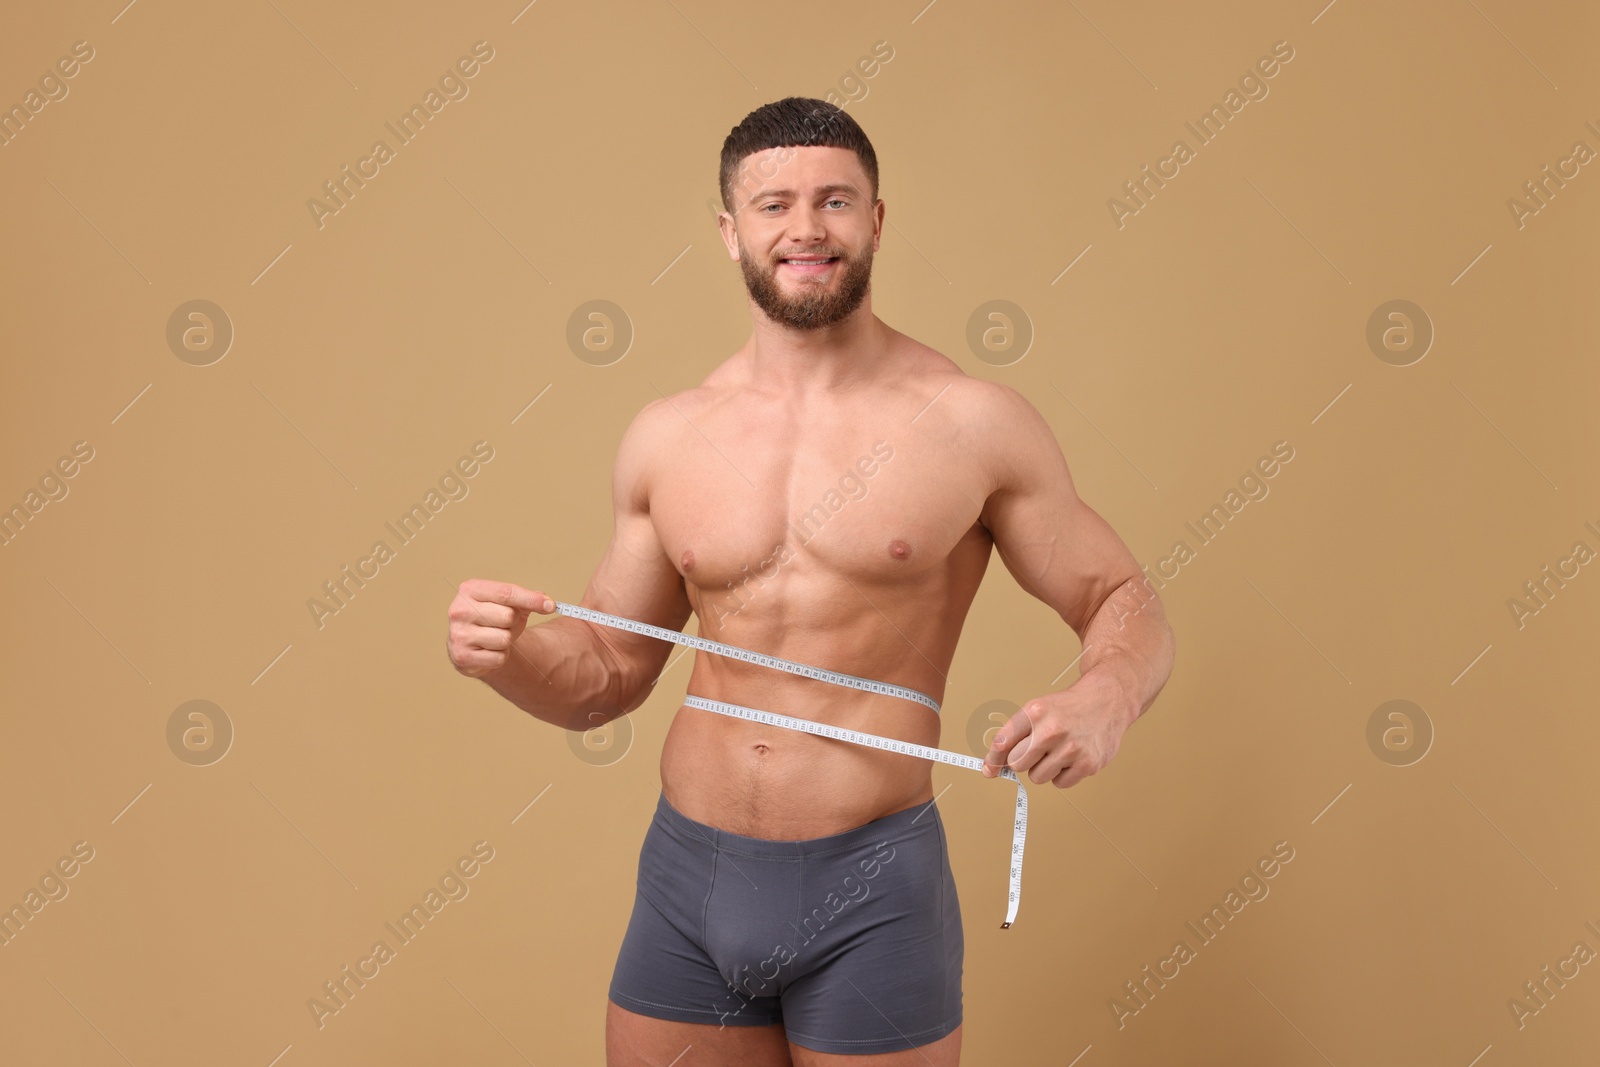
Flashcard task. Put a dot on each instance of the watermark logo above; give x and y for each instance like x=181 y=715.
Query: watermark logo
x=452 y=886
x=1252 y=888
x=599 y=333
x=999 y=332
x=339 y=592
x=53 y=888
x=603 y=745
x=985 y=721
x=1206 y=528
x=1399 y=333
x=1399 y=733
x=749 y=982
x=52 y=90
x=853 y=88
x=1542 y=588
x=53 y=487
x=1550 y=981
x=199 y=333
x=199 y=732
x=1541 y=190
x=852 y=486
x=1138 y=192
x=340 y=190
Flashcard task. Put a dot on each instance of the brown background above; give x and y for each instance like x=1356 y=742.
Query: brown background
x=1230 y=313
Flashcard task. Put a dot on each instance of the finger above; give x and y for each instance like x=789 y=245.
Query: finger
x=1026 y=758
x=1071 y=776
x=486 y=613
x=1014 y=733
x=477 y=662
x=1007 y=739
x=491 y=638
x=512 y=596
x=1049 y=764
x=1049 y=754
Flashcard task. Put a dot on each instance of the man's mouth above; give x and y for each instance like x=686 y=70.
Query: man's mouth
x=809 y=264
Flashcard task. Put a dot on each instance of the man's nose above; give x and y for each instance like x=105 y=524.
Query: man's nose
x=806 y=221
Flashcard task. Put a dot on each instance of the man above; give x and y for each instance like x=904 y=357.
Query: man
x=829 y=495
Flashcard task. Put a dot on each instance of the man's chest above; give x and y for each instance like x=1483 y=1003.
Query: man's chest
x=858 y=504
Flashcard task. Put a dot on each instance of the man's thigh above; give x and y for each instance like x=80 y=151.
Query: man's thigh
x=634 y=1040
x=945 y=1052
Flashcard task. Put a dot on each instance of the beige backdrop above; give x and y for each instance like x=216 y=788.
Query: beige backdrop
x=233 y=456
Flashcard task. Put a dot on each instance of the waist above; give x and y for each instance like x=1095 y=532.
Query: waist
x=727 y=738
x=768 y=782
x=897 y=826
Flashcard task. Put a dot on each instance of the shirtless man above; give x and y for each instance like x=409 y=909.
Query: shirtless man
x=830 y=495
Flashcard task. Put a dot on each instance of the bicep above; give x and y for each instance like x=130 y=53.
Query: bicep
x=634 y=578
x=1057 y=547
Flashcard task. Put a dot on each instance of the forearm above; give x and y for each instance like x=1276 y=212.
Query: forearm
x=1129 y=645
x=562 y=672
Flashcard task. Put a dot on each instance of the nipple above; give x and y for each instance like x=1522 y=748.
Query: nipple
x=688 y=559
x=899 y=549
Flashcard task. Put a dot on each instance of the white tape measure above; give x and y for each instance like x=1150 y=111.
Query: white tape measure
x=1019 y=830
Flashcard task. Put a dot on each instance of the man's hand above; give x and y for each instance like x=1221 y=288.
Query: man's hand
x=486 y=618
x=1063 y=737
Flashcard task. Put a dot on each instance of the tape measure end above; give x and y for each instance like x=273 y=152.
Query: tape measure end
x=1005 y=926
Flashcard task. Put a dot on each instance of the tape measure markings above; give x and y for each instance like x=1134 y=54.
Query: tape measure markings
x=759 y=658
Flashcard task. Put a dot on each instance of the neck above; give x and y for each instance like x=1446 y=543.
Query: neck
x=796 y=362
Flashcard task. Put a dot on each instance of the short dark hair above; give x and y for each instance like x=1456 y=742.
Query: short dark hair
x=794 y=121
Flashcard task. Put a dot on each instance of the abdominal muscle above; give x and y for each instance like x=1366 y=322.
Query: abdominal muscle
x=772 y=782
x=784 y=785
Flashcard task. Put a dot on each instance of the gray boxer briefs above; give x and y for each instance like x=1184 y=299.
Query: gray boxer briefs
x=853 y=942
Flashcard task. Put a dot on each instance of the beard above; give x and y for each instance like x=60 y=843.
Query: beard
x=812 y=304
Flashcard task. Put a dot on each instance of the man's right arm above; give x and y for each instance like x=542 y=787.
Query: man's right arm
x=577 y=674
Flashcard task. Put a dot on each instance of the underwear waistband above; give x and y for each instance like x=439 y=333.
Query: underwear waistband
x=922 y=817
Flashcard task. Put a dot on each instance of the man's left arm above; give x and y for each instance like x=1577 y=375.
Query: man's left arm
x=1063 y=553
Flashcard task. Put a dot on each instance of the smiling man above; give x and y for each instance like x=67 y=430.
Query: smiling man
x=794 y=902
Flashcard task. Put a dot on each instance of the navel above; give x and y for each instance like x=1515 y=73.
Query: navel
x=899 y=549
x=688 y=559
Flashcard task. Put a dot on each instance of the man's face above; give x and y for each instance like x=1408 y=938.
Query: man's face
x=805 y=228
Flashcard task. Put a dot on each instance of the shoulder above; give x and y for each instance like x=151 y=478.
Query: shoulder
x=658 y=430
x=993 y=425
x=662 y=420
x=993 y=407
x=652 y=433
x=989 y=418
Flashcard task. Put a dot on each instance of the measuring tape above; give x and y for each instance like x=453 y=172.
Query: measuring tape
x=1019 y=830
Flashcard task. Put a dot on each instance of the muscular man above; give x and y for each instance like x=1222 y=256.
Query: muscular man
x=829 y=494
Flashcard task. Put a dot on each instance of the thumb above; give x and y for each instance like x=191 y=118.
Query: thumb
x=1015 y=732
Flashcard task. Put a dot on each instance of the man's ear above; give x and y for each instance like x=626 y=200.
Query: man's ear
x=728 y=230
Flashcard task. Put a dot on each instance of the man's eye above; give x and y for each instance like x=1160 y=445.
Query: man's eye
x=765 y=206
x=836 y=200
